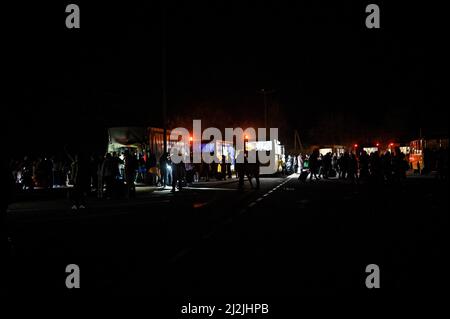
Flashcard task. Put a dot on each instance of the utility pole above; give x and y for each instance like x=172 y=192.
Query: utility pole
x=265 y=108
x=164 y=72
x=264 y=92
x=297 y=141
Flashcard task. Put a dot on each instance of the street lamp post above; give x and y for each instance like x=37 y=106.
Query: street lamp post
x=164 y=74
x=264 y=92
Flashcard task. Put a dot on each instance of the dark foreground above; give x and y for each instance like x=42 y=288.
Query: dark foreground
x=289 y=238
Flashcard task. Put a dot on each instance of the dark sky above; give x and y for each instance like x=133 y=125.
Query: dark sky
x=328 y=71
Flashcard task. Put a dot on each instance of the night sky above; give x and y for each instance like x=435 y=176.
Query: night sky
x=334 y=80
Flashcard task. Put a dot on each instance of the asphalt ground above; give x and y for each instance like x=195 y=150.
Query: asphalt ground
x=286 y=239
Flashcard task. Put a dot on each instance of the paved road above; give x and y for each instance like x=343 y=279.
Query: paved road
x=287 y=238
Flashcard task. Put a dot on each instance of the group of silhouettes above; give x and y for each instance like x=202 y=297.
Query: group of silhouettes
x=354 y=166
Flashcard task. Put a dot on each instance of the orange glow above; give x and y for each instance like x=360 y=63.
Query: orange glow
x=198 y=205
x=246 y=137
x=392 y=144
x=190 y=138
x=356 y=145
x=378 y=144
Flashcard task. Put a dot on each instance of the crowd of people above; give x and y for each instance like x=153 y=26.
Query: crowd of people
x=104 y=175
x=179 y=174
x=353 y=166
x=115 y=175
x=111 y=175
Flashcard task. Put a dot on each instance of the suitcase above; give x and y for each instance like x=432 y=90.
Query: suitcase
x=303 y=176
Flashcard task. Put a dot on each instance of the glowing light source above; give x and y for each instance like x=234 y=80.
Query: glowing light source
x=356 y=145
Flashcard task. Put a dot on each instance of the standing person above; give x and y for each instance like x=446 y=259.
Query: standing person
x=295 y=164
x=326 y=165
x=334 y=163
x=345 y=163
x=242 y=170
x=27 y=173
x=229 y=166
x=121 y=164
x=213 y=166
x=314 y=164
x=300 y=162
x=256 y=167
x=178 y=174
x=164 y=168
x=340 y=165
x=223 y=165
x=190 y=171
x=117 y=165
x=399 y=164
x=364 y=165
x=386 y=162
x=240 y=174
x=130 y=167
x=66 y=174
x=290 y=168
x=117 y=170
x=57 y=172
x=37 y=171
x=93 y=168
x=99 y=173
x=320 y=165
x=142 y=169
x=107 y=175
x=81 y=180
x=48 y=175
x=15 y=170
x=353 y=167
x=375 y=167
